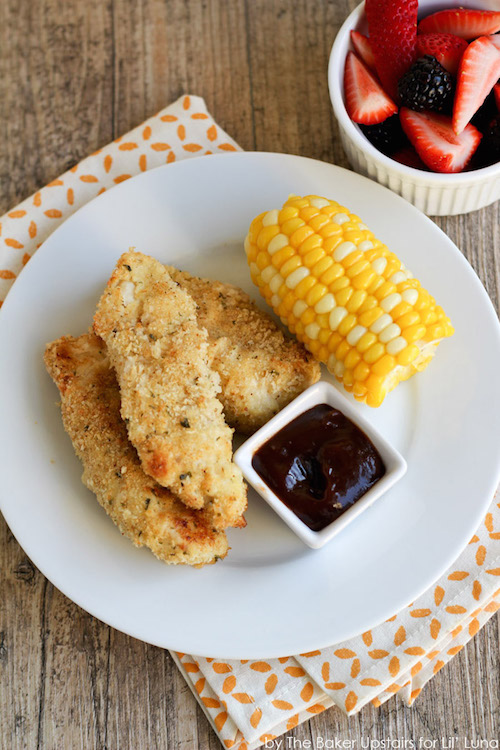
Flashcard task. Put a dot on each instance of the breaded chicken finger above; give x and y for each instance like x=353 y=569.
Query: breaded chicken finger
x=168 y=389
x=261 y=371
x=146 y=513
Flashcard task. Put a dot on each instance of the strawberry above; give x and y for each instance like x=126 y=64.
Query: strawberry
x=436 y=143
x=446 y=48
x=478 y=72
x=495 y=39
x=393 y=37
x=362 y=45
x=365 y=100
x=409 y=157
x=469 y=24
x=496 y=91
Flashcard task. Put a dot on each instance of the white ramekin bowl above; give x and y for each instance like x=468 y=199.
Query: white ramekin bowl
x=320 y=393
x=435 y=194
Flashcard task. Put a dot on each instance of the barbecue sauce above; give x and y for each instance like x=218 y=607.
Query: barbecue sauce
x=318 y=465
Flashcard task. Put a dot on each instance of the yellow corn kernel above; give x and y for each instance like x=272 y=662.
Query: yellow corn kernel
x=291 y=226
x=265 y=236
x=352 y=359
x=361 y=371
x=352 y=260
x=313 y=346
x=322 y=352
x=308 y=212
x=338 y=283
x=333 y=273
x=321 y=267
x=314 y=295
x=366 y=340
x=384 y=365
x=281 y=256
x=364 y=279
x=435 y=331
x=323 y=337
x=262 y=260
x=290 y=265
x=375 y=284
x=318 y=222
x=385 y=289
x=300 y=235
x=308 y=316
x=343 y=296
x=303 y=287
x=333 y=341
x=353 y=234
x=370 y=316
x=408 y=319
x=347 y=324
x=356 y=268
x=428 y=316
x=311 y=243
x=373 y=353
x=289 y=301
x=369 y=304
x=407 y=356
x=341 y=351
x=414 y=333
x=329 y=230
x=313 y=256
x=355 y=302
x=348 y=379
x=401 y=309
x=331 y=243
x=359 y=391
x=287 y=213
x=297 y=201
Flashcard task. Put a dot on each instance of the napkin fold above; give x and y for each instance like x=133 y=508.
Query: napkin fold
x=249 y=702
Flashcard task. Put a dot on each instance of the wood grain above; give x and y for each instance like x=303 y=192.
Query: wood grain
x=74 y=75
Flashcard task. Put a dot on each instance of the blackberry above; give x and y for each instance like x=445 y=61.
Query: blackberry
x=492 y=139
x=387 y=136
x=488 y=151
x=427 y=85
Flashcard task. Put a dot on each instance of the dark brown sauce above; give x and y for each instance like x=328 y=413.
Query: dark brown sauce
x=319 y=464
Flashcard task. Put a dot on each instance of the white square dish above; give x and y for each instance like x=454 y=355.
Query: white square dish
x=320 y=393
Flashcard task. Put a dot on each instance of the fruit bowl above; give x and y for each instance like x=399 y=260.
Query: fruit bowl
x=436 y=194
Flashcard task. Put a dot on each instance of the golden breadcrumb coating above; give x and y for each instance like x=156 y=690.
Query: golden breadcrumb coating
x=168 y=389
x=146 y=513
x=261 y=371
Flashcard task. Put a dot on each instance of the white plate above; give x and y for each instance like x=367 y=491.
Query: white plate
x=272 y=595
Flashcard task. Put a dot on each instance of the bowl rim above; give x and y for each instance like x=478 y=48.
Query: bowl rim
x=433 y=179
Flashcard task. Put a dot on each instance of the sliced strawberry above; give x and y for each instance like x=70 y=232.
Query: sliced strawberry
x=495 y=39
x=478 y=72
x=469 y=24
x=365 y=100
x=409 y=157
x=496 y=91
x=362 y=45
x=393 y=37
x=446 y=48
x=435 y=142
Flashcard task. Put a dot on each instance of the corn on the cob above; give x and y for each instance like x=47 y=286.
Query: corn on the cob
x=349 y=299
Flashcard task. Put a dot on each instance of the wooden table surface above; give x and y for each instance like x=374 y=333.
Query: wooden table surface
x=74 y=74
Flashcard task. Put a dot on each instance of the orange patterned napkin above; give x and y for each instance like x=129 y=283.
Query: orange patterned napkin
x=249 y=702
